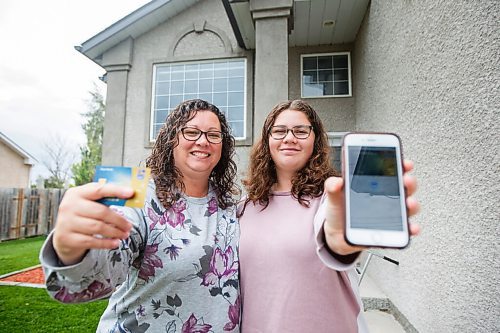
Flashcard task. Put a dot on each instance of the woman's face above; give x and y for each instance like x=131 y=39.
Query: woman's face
x=291 y=154
x=196 y=159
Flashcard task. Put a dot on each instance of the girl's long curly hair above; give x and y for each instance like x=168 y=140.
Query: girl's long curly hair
x=307 y=182
x=168 y=178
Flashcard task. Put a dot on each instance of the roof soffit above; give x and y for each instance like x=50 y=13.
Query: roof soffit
x=315 y=22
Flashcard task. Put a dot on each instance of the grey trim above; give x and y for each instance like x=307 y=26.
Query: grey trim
x=114 y=68
x=198 y=28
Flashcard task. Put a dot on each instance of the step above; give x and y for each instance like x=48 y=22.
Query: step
x=378 y=309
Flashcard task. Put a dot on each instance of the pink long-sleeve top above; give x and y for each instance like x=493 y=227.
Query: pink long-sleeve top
x=289 y=281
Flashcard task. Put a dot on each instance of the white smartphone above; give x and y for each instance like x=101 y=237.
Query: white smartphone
x=375 y=201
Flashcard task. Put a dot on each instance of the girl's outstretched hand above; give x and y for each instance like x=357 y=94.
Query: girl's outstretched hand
x=335 y=216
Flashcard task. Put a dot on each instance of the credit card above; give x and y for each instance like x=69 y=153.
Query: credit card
x=134 y=177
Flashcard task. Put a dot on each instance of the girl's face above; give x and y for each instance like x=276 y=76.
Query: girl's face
x=196 y=159
x=291 y=154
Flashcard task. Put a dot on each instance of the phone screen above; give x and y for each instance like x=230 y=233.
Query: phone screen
x=375 y=198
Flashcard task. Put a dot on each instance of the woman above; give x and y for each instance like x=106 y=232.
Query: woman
x=171 y=266
x=296 y=268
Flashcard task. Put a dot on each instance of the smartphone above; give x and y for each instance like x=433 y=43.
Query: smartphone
x=375 y=202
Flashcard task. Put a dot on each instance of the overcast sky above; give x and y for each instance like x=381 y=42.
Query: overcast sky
x=44 y=81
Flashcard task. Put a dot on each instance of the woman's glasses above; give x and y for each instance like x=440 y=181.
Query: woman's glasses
x=193 y=134
x=279 y=132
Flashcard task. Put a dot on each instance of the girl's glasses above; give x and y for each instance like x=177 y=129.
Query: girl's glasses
x=279 y=132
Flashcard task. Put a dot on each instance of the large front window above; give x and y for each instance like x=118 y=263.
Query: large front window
x=220 y=82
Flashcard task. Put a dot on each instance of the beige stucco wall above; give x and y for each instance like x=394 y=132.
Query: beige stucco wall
x=337 y=113
x=14 y=173
x=429 y=70
x=157 y=46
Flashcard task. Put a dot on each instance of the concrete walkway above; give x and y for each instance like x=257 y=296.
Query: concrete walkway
x=374 y=299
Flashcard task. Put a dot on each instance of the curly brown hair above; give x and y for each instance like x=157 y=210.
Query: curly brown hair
x=307 y=182
x=168 y=178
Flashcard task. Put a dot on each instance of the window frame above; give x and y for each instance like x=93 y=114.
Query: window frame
x=349 y=72
x=153 y=95
x=335 y=140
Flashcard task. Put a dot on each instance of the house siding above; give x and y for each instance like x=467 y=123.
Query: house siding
x=14 y=172
x=429 y=70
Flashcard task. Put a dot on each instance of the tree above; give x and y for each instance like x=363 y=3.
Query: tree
x=57 y=160
x=93 y=128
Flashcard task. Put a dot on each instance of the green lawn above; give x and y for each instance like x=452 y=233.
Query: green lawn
x=19 y=254
x=24 y=309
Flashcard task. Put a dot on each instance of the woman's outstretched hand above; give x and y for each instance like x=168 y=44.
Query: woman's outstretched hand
x=83 y=223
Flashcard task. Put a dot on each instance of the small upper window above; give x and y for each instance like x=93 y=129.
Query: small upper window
x=326 y=75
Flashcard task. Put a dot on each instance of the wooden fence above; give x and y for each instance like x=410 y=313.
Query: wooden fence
x=27 y=212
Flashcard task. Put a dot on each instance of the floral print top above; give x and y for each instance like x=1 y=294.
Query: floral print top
x=177 y=272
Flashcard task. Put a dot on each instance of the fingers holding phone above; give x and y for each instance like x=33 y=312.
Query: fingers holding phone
x=412 y=205
x=82 y=223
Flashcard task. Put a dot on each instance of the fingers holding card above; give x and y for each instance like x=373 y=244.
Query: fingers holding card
x=135 y=177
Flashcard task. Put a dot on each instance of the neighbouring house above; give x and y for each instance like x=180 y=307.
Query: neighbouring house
x=427 y=70
x=15 y=164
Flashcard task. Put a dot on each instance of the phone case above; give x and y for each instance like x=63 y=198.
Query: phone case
x=344 y=179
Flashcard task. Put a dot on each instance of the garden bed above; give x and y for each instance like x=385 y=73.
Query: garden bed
x=31 y=275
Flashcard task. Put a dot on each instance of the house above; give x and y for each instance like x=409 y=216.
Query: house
x=15 y=164
x=427 y=70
